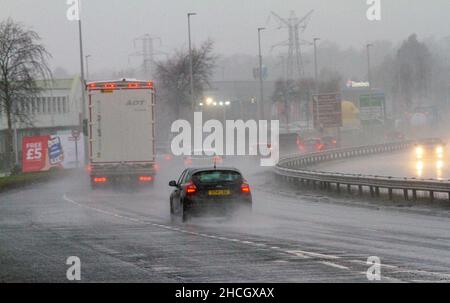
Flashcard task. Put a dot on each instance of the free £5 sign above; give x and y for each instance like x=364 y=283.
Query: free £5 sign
x=34 y=154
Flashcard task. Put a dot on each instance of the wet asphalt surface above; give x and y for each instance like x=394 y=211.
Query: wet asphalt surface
x=398 y=164
x=293 y=235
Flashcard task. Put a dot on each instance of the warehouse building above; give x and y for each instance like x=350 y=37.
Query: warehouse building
x=56 y=109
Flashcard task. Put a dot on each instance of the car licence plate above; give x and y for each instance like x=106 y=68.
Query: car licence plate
x=221 y=192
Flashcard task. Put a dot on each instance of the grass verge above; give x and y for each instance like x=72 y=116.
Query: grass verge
x=21 y=180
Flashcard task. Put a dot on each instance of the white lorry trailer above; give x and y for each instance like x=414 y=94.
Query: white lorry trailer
x=121 y=132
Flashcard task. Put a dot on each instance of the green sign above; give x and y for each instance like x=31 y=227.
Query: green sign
x=371 y=108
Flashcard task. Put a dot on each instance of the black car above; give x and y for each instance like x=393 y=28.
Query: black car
x=329 y=142
x=212 y=190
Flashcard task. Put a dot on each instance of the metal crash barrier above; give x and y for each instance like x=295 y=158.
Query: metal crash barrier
x=299 y=168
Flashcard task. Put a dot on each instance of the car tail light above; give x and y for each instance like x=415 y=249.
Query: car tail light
x=145 y=178
x=88 y=168
x=156 y=167
x=218 y=159
x=245 y=188
x=168 y=157
x=188 y=161
x=100 y=180
x=191 y=188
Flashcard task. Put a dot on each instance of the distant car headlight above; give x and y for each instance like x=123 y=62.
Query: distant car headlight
x=439 y=165
x=419 y=151
x=440 y=151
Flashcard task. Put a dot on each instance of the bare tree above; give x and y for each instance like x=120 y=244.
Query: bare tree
x=173 y=75
x=22 y=61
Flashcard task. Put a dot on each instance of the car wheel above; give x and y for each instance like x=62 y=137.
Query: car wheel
x=184 y=215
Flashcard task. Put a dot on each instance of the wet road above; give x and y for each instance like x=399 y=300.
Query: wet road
x=292 y=236
x=398 y=164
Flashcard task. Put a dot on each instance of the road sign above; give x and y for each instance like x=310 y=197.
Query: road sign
x=76 y=137
x=371 y=108
x=327 y=110
x=76 y=134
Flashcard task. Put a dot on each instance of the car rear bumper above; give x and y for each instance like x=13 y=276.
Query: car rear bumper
x=217 y=205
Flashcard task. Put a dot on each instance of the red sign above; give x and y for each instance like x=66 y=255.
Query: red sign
x=34 y=153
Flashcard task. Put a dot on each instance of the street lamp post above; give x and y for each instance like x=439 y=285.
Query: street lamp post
x=369 y=77
x=87 y=67
x=261 y=87
x=225 y=105
x=316 y=76
x=83 y=83
x=368 y=46
x=191 y=69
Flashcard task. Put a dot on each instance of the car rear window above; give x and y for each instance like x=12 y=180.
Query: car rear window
x=217 y=176
x=313 y=141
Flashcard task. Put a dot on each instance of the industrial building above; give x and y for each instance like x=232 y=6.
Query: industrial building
x=56 y=109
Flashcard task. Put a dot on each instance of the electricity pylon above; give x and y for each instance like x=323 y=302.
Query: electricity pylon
x=295 y=28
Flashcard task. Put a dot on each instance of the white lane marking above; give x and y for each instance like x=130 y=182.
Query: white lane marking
x=298 y=253
x=166 y=227
x=303 y=253
x=334 y=265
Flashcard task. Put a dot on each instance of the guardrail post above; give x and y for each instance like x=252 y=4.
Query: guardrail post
x=372 y=193
x=360 y=190
x=414 y=193
x=432 y=196
x=405 y=194
x=390 y=193
x=377 y=191
x=349 y=188
x=338 y=187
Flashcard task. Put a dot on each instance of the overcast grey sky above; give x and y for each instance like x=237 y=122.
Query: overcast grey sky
x=111 y=25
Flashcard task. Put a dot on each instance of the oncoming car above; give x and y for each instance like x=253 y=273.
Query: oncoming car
x=431 y=148
x=203 y=158
x=212 y=190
